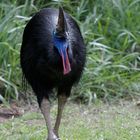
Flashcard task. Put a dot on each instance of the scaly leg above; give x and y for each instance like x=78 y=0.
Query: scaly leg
x=61 y=103
x=45 y=108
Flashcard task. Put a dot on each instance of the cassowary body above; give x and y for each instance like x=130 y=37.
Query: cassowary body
x=52 y=56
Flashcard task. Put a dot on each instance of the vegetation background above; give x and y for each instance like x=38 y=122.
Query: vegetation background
x=111 y=29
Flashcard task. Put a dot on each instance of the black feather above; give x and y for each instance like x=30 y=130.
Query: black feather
x=40 y=61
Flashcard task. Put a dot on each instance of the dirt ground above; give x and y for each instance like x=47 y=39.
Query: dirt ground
x=109 y=121
x=15 y=110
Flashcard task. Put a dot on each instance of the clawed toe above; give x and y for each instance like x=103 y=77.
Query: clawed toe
x=53 y=139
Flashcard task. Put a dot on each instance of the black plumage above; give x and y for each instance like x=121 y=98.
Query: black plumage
x=46 y=65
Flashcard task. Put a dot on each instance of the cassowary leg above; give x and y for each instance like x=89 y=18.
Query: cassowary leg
x=61 y=103
x=45 y=108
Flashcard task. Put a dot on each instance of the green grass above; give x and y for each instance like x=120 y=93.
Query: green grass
x=102 y=122
x=112 y=35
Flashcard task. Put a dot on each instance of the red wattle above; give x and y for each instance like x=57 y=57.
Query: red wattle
x=66 y=63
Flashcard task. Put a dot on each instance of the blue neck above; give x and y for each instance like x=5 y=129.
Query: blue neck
x=61 y=44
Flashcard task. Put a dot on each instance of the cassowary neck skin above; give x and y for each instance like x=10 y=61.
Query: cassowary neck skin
x=62 y=45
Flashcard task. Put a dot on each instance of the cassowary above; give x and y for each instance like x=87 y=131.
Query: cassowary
x=52 y=56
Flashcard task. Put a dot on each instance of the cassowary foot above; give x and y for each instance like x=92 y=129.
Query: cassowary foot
x=56 y=133
x=53 y=138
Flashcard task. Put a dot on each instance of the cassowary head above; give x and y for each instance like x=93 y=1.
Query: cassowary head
x=61 y=42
